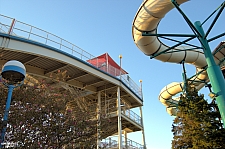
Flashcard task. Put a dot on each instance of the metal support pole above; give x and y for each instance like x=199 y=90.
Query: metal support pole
x=99 y=121
x=184 y=75
x=119 y=118
x=125 y=136
x=120 y=56
x=143 y=131
x=215 y=75
x=110 y=142
x=6 y=113
x=142 y=122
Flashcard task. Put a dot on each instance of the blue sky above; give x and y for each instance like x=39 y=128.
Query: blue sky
x=100 y=26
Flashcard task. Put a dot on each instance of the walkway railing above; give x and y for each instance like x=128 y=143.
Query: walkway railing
x=112 y=108
x=112 y=142
x=14 y=27
x=132 y=115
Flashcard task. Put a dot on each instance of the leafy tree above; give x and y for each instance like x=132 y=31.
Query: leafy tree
x=41 y=117
x=197 y=124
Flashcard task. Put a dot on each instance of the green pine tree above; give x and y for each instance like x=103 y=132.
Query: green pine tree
x=197 y=124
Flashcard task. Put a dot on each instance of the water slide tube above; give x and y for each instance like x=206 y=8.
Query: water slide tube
x=147 y=19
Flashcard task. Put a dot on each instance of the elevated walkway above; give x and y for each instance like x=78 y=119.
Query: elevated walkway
x=44 y=54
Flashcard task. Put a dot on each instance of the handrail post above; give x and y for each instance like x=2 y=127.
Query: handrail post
x=11 y=26
x=46 y=39
x=30 y=32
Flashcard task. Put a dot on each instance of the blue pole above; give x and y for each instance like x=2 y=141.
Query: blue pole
x=215 y=75
x=6 y=113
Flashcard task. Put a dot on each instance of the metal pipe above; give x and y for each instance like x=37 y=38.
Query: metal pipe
x=142 y=130
x=215 y=75
x=215 y=19
x=6 y=113
x=119 y=118
x=125 y=137
x=99 y=121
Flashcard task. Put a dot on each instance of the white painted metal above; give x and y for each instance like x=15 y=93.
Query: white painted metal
x=26 y=31
x=99 y=120
x=142 y=130
x=119 y=119
x=24 y=47
x=125 y=137
x=15 y=63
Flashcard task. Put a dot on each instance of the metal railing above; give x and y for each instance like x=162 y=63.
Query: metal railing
x=112 y=142
x=111 y=107
x=132 y=115
x=16 y=28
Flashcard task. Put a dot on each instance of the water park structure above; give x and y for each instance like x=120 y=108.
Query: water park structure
x=96 y=81
x=207 y=63
x=106 y=85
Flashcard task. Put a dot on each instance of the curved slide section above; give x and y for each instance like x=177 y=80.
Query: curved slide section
x=147 y=19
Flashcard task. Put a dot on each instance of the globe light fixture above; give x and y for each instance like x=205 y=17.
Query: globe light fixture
x=12 y=76
x=13 y=72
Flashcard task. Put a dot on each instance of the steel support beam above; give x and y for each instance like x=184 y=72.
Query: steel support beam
x=119 y=119
x=99 y=120
x=142 y=130
x=215 y=75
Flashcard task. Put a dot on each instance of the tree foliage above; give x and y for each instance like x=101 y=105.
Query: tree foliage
x=197 y=124
x=41 y=118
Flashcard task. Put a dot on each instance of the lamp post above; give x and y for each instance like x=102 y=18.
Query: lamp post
x=119 y=109
x=12 y=76
x=142 y=122
x=120 y=56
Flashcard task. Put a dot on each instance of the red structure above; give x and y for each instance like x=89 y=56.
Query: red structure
x=107 y=64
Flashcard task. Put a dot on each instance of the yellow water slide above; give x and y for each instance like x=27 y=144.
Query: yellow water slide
x=147 y=19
